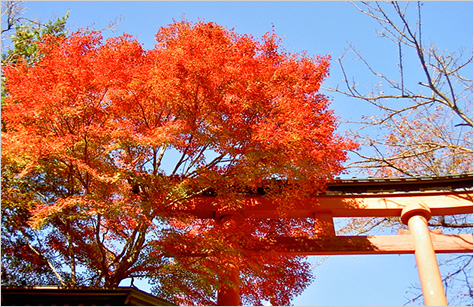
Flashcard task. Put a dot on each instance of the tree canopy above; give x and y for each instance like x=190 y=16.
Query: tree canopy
x=104 y=143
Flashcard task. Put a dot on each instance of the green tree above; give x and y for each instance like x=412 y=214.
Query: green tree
x=27 y=33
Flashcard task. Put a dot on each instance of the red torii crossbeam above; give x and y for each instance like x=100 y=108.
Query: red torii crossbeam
x=415 y=200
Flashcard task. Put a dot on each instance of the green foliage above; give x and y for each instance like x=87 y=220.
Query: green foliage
x=28 y=35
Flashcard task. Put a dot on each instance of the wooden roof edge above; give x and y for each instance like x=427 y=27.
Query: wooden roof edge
x=404 y=179
x=403 y=184
x=135 y=295
x=452 y=182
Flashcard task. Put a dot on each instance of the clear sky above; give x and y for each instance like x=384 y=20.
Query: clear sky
x=319 y=28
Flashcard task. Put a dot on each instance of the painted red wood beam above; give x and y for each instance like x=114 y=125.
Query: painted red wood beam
x=363 y=205
x=349 y=245
x=384 y=244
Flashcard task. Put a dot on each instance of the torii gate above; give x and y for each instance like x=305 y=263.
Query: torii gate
x=415 y=200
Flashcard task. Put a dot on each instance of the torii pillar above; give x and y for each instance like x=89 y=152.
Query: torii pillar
x=229 y=294
x=417 y=217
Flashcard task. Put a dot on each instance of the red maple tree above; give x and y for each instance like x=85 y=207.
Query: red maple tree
x=105 y=143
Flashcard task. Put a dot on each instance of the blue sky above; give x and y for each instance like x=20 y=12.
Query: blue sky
x=319 y=28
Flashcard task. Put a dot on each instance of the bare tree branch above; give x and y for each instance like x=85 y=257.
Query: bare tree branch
x=442 y=98
x=424 y=120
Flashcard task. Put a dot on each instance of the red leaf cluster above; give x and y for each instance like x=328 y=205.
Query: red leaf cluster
x=124 y=137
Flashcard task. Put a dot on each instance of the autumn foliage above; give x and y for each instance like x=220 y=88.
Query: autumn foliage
x=104 y=143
